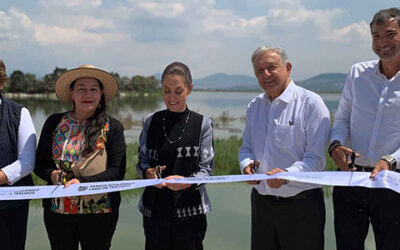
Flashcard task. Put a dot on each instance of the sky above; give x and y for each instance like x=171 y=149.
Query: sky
x=138 y=37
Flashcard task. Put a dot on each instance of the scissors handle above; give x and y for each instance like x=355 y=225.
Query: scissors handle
x=255 y=167
x=352 y=158
x=158 y=171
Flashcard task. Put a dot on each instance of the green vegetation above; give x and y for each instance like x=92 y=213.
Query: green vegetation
x=226 y=156
x=20 y=82
x=226 y=159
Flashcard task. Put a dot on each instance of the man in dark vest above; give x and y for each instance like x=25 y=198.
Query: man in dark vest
x=17 y=160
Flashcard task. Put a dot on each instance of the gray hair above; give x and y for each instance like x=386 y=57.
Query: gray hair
x=386 y=15
x=178 y=68
x=262 y=49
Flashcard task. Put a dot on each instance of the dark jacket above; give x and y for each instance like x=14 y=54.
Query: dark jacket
x=10 y=116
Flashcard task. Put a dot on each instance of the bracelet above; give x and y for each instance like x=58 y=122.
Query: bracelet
x=333 y=145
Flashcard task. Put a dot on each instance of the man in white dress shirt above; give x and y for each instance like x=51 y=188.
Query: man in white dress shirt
x=287 y=129
x=367 y=123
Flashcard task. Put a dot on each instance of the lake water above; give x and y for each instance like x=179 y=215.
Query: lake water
x=228 y=110
x=229 y=221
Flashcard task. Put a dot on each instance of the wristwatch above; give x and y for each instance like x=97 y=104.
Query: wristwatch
x=391 y=160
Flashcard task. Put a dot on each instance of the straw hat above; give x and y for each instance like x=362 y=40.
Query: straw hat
x=61 y=87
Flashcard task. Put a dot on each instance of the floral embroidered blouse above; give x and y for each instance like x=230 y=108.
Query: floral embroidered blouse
x=67 y=147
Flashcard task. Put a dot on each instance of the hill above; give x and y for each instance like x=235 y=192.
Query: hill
x=223 y=81
x=328 y=82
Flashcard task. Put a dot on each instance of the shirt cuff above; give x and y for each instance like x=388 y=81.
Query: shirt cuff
x=244 y=164
x=12 y=172
x=296 y=167
x=336 y=138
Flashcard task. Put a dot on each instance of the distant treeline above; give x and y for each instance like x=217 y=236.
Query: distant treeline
x=20 y=82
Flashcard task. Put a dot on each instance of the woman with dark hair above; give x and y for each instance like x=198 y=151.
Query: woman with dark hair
x=66 y=142
x=17 y=159
x=175 y=142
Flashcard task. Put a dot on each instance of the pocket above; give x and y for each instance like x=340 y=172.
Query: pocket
x=284 y=136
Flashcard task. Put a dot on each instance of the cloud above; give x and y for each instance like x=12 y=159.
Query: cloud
x=142 y=36
x=88 y=24
x=84 y=29
x=162 y=9
x=316 y=25
x=295 y=18
x=70 y=3
x=13 y=25
x=281 y=4
x=55 y=35
x=232 y=25
x=348 y=34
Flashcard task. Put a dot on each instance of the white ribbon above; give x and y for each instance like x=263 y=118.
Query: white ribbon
x=384 y=179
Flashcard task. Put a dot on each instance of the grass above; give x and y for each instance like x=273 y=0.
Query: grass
x=226 y=156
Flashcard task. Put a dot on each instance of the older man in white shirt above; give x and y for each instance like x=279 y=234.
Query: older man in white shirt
x=367 y=123
x=287 y=129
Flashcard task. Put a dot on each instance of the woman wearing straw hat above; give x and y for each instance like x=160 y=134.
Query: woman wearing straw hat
x=66 y=143
x=17 y=159
x=175 y=142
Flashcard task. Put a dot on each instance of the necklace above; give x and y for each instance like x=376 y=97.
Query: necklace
x=183 y=130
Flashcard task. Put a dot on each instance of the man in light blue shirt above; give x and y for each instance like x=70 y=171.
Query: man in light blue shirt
x=287 y=129
x=367 y=123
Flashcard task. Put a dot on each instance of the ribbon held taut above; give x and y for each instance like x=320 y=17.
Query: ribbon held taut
x=384 y=179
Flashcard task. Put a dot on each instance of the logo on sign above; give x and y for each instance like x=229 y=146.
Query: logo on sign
x=82 y=188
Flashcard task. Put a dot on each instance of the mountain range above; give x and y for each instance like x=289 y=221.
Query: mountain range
x=328 y=82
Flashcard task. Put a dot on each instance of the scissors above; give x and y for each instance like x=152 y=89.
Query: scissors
x=352 y=158
x=254 y=168
x=158 y=171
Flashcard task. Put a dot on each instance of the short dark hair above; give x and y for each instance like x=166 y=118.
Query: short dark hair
x=178 y=68
x=386 y=15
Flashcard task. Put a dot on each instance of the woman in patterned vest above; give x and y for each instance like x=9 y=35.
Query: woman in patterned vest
x=68 y=139
x=175 y=142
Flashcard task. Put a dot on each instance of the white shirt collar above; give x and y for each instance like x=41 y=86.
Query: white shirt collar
x=288 y=94
x=377 y=71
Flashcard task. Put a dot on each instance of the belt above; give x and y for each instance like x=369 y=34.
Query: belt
x=300 y=196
